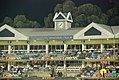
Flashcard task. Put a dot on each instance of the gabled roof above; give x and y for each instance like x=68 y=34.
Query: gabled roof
x=106 y=32
x=15 y=35
x=63 y=17
x=92 y=31
x=116 y=31
x=6 y=33
x=106 y=27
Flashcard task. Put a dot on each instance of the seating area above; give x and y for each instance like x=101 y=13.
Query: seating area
x=69 y=55
x=100 y=70
x=73 y=62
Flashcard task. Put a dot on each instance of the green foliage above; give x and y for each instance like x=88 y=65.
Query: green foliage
x=35 y=24
x=58 y=8
x=18 y=18
x=32 y=24
x=82 y=15
x=20 y=21
x=68 y=6
x=114 y=21
x=81 y=20
x=104 y=19
x=93 y=18
x=20 y=24
x=76 y=24
x=115 y=3
x=49 y=20
x=112 y=12
x=89 y=9
x=8 y=20
x=89 y=13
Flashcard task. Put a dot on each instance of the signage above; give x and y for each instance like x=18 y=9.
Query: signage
x=50 y=37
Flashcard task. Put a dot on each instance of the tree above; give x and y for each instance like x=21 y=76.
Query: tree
x=58 y=8
x=83 y=14
x=8 y=20
x=46 y=22
x=88 y=13
x=35 y=24
x=19 y=21
x=20 y=24
x=68 y=6
x=89 y=9
x=113 y=15
x=76 y=24
x=1 y=24
x=93 y=18
x=19 y=18
x=114 y=21
x=49 y=20
x=112 y=12
x=115 y=3
x=104 y=19
x=81 y=20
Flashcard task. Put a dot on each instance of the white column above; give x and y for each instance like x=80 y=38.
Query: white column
x=47 y=49
x=28 y=48
x=83 y=47
x=8 y=67
x=102 y=47
x=83 y=64
x=27 y=65
x=46 y=64
x=9 y=49
x=65 y=47
x=65 y=70
x=64 y=64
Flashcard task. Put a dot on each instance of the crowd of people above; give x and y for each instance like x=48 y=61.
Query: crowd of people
x=89 y=70
x=69 y=54
x=99 y=70
x=86 y=54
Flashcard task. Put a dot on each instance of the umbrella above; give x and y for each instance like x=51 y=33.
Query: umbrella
x=103 y=71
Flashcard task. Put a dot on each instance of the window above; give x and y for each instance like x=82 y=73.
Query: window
x=92 y=31
x=6 y=33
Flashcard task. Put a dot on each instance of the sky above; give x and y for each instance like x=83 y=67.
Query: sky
x=38 y=9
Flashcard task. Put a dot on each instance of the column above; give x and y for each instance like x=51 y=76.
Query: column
x=65 y=47
x=102 y=47
x=8 y=67
x=9 y=49
x=83 y=47
x=46 y=64
x=64 y=64
x=28 y=48
x=27 y=64
x=114 y=46
x=83 y=64
x=65 y=71
x=47 y=49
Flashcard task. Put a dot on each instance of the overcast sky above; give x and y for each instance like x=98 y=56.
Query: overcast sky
x=38 y=9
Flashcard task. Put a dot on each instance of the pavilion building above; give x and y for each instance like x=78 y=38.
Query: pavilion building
x=60 y=38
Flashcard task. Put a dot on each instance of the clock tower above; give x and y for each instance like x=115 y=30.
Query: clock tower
x=62 y=21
